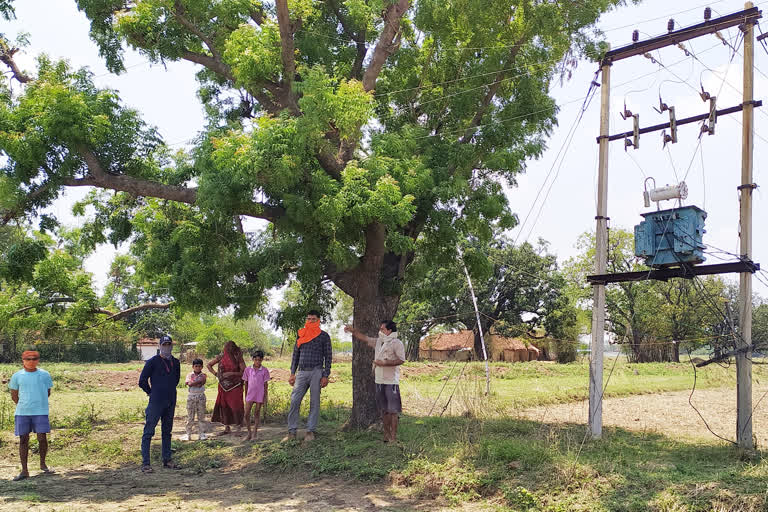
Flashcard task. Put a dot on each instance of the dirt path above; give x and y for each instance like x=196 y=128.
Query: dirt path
x=244 y=489
x=240 y=486
x=668 y=413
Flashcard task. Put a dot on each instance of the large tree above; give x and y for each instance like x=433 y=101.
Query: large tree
x=517 y=288
x=355 y=128
x=652 y=317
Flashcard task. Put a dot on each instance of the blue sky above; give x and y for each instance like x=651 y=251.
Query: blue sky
x=557 y=193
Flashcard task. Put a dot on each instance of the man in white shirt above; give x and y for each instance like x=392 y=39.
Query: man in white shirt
x=388 y=356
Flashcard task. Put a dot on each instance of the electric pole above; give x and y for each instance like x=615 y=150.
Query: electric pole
x=746 y=21
x=744 y=339
x=601 y=261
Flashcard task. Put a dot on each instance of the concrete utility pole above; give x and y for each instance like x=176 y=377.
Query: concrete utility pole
x=744 y=340
x=745 y=266
x=601 y=260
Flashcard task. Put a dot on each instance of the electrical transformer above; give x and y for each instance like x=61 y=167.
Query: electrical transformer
x=672 y=237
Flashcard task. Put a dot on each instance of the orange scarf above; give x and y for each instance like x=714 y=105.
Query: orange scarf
x=310 y=331
x=30 y=366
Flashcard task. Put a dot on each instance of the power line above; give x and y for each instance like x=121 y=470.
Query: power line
x=690 y=402
x=563 y=150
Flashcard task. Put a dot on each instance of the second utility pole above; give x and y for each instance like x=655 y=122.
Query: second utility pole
x=744 y=338
x=601 y=260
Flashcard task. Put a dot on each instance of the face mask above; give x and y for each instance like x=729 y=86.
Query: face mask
x=165 y=350
x=30 y=364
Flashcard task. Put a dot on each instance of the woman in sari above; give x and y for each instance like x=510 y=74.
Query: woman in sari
x=229 y=409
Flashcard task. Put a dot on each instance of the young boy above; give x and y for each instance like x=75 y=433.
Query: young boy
x=30 y=389
x=256 y=379
x=196 y=399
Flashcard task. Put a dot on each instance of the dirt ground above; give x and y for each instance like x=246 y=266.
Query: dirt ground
x=237 y=489
x=669 y=413
x=243 y=486
x=247 y=486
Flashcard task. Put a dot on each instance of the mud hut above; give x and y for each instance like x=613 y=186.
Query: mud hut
x=447 y=346
x=511 y=349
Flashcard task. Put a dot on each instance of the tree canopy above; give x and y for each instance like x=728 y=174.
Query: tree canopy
x=654 y=318
x=365 y=132
x=518 y=288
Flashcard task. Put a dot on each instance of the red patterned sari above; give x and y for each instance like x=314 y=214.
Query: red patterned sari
x=229 y=408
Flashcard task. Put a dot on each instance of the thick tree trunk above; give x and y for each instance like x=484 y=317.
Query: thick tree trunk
x=412 y=350
x=652 y=351
x=368 y=312
x=486 y=325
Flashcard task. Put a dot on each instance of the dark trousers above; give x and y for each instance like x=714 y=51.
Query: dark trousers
x=154 y=413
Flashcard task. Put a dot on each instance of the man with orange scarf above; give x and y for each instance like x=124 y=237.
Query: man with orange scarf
x=310 y=368
x=30 y=389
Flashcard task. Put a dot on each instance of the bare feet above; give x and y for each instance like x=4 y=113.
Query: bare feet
x=309 y=436
x=249 y=437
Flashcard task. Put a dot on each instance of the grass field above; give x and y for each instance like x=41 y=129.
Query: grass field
x=484 y=453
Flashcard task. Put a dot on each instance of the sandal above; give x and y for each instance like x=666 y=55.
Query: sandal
x=147 y=469
x=171 y=465
x=48 y=471
x=20 y=477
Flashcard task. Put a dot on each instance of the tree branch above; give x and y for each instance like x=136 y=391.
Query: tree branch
x=257 y=15
x=114 y=317
x=146 y=188
x=54 y=300
x=492 y=90
x=388 y=42
x=6 y=57
x=179 y=14
x=346 y=280
x=31 y=196
x=209 y=62
x=287 y=48
x=358 y=38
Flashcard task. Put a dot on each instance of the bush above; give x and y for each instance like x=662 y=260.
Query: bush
x=82 y=351
x=566 y=351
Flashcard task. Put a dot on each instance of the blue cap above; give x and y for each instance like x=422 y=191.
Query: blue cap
x=165 y=339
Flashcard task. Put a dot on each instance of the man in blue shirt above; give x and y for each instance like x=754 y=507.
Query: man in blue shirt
x=158 y=379
x=30 y=389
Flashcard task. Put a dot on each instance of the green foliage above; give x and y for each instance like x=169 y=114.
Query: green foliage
x=254 y=53
x=410 y=152
x=212 y=332
x=646 y=314
x=360 y=161
x=517 y=289
x=18 y=262
x=521 y=498
x=6 y=10
x=760 y=327
x=82 y=422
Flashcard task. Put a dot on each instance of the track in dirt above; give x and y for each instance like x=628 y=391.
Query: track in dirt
x=667 y=413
